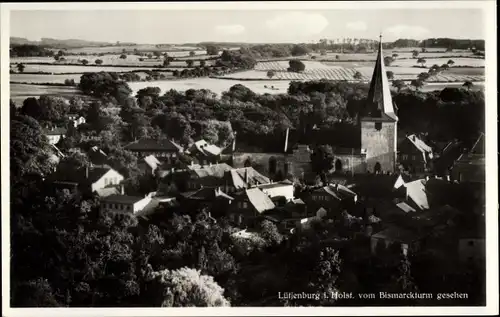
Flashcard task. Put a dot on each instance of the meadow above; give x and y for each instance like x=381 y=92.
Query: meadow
x=19 y=92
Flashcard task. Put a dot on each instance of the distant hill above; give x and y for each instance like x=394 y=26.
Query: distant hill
x=55 y=43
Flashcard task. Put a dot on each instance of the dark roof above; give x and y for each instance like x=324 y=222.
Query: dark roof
x=214 y=170
x=121 y=199
x=78 y=176
x=394 y=233
x=154 y=145
x=207 y=193
x=245 y=177
x=337 y=191
x=55 y=131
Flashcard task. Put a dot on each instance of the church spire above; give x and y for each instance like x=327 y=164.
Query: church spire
x=379 y=97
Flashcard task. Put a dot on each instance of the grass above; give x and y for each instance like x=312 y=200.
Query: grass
x=19 y=92
x=38 y=78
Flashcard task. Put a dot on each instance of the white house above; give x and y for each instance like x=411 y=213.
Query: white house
x=109 y=178
x=76 y=119
x=125 y=204
x=87 y=179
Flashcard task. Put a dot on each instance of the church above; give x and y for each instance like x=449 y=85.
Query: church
x=378 y=132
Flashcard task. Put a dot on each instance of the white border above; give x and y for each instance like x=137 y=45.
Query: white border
x=491 y=159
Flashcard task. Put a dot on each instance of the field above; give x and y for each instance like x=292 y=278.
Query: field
x=19 y=92
x=460 y=61
x=60 y=69
x=42 y=78
x=131 y=60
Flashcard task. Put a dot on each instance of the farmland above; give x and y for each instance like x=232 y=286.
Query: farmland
x=19 y=92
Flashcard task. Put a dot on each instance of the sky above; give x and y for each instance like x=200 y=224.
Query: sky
x=256 y=26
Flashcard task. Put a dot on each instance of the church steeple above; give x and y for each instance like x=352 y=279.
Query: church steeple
x=379 y=96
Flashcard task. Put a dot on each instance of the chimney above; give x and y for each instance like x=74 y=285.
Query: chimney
x=448 y=178
x=246 y=176
x=286 y=140
x=427 y=178
x=122 y=190
x=234 y=142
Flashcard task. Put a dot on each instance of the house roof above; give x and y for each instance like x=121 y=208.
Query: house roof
x=379 y=94
x=55 y=131
x=416 y=191
x=153 y=145
x=337 y=191
x=121 y=199
x=476 y=153
x=419 y=144
x=246 y=177
x=259 y=200
x=207 y=193
x=394 y=233
x=97 y=156
x=405 y=207
x=152 y=161
x=214 y=170
x=275 y=185
x=205 y=148
x=107 y=191
x=94 y=174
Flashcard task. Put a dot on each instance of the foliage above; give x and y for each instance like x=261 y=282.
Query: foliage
x=186 y=287
x=105 y=85
x=296 y=65
x=299 y=50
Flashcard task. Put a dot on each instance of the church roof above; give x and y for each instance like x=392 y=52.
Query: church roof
x=379 y=94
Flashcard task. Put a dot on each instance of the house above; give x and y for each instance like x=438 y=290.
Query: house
x=416 y=193
x=241 y=178
x=56 y=155
x=305 y=223
x=214 y=199
x=163 y=149
x=88 y=179
x=212 y=175
x=124 y=204
x=204 y=152
x=414 y=155
x=470 y=166
x=248 y=205
x=149 y=164
x=284 y=190
x=76 y=119
x=333 y=197
x=395 y=239
x=54 y=135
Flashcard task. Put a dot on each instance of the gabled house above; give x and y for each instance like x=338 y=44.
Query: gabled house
x=414 y=154
x=163 y=149
x=248 y=205
x=97 y=156
x=54 y=135
x=415 y=192
x=212 y=175
x=333 y=197
x=149 y=164
x=395 y=239
x=214 y=199
x=470 y=166
x=242 y=178
x=88 y=179
x=280 y=190
x=205 y=152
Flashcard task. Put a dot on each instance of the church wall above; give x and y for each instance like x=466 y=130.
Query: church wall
x=350 y=162
x=260 y=161
x=380 y=145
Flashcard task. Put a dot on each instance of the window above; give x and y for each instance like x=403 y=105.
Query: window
x=414 y=157
x=405 y=157
x=378 y=126
x=245 y=204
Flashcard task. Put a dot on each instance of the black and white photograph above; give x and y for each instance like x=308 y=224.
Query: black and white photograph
x=240 y=156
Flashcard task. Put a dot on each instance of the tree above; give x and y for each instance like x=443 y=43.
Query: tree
x=85 y=62
x=269 y=232
x=468 y=84
x=189 y=63
x=299 y=50
x=322 y=160
x=417 y=83
x=357 y=75
x=398 y=84
x=157 y=54
x=296 y=65
x=450 y=62
x=270 y=74
x=29 y=149
x=185 y=287
x=123 y=56
x=202 y=63
x=423 y=76
x=20 y=67
x=421 y=61
x=212 y=50
x=34 y=293
x=192 y=53
x=390 y=75
x=56 y=57
x=415 y=53
x=445 y=67
x=98 y=62
x=395 y=56
x=388 y=60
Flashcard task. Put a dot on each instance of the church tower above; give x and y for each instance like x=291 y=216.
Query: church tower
x=379 y=122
